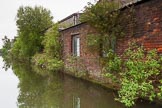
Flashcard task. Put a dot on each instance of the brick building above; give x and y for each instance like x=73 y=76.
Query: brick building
x=147 y=31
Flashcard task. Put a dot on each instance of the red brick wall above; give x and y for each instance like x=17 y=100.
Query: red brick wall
x=146 y=30
x=87 y=61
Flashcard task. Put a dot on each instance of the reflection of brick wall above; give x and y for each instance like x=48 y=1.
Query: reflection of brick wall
x=147 y=32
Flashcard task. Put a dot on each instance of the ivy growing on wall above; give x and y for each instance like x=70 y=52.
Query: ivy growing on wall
x=107 y=19
x=137 y=71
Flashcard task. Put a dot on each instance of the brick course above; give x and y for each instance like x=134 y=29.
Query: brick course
x=89 y=60
x=146 y=30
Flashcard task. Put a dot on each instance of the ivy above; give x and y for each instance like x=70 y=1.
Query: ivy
x=106 y=18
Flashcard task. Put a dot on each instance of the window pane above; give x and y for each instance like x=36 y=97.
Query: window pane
x=76 y=46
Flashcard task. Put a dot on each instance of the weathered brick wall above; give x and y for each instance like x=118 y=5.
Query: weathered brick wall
x=146 y=30
x=87 y=61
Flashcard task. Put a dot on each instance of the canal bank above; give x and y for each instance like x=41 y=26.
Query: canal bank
x=143 y=28
x=139 y=75
x=54 y=90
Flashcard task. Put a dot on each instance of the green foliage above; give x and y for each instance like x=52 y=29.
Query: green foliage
x=50 y=59
x=102 y=16
x=47 y=62
x=93 y=42
x=112 y=67
x=51 y=42
x=32 y=24
x=6 y=47
x=114 y=63
x=16 y=50
x=106 y=18
x=137 y=71
x=5 y=52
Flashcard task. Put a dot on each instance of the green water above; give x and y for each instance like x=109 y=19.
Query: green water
x=34 y=89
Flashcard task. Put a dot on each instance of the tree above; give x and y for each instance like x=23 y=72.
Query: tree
x=51 y=42
x=6 y=46
x=32 y=24
x=50 y=59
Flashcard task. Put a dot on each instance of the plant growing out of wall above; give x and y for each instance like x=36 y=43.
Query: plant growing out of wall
x=106 y=18
x=139 y=75
x=109 y=20
x=138 y=72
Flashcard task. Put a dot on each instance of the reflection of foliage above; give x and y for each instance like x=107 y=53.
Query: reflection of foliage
x=37 y=91
x=139 y=74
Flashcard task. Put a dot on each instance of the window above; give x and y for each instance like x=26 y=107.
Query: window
x=107 y=46
x=76 y=45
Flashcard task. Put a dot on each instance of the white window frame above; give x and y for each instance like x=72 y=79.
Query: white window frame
x=76 y=45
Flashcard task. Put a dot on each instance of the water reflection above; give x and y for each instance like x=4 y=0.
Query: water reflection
x=37 y=91
x=56 y=90
x=8 y=88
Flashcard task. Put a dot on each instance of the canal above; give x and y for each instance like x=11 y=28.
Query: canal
x=23 y=87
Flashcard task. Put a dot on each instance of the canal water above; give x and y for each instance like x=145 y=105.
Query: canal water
x=21 y=87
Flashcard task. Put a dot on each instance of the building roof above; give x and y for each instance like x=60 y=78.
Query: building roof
x=125 y=3
x=74 y=14
x=130 y=2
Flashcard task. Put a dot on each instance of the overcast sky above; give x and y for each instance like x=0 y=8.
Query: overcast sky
x=59 y=9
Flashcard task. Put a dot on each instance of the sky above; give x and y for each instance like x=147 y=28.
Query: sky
x=59 y=9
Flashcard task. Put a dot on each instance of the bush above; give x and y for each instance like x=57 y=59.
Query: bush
x=138 y=73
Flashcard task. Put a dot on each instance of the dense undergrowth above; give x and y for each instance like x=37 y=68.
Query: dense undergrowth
x=137 y=71
x=50 y=58
x=38 y=40
x=139 y=74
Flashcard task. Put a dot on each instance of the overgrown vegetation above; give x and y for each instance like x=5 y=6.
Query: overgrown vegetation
x=106 y=18
x=6 y=47
x=50 y=58
x=137 y=71
x=32 y=23
x=38 y=39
